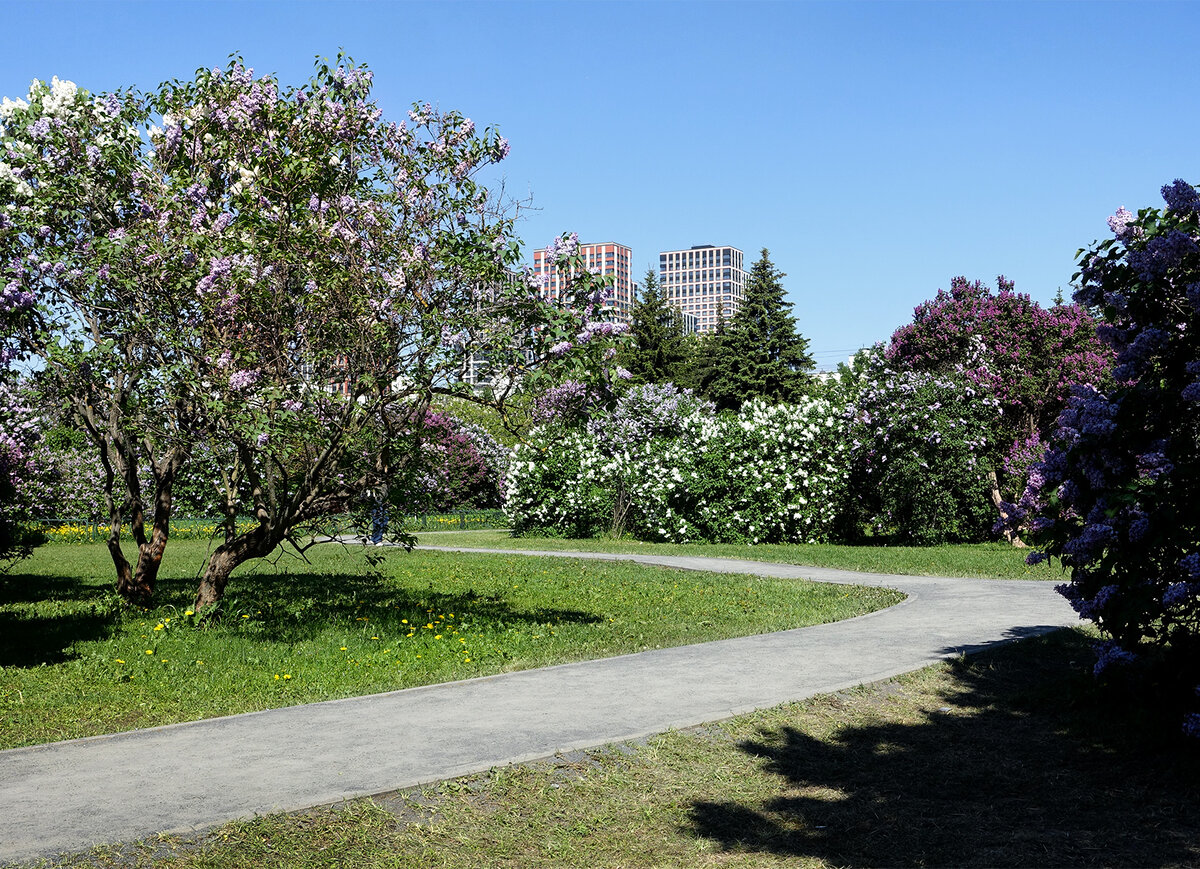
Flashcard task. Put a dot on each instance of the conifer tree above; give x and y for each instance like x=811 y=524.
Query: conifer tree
x=657 y=351
x=760 y=354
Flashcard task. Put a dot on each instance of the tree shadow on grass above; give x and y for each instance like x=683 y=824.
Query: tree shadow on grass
x=293 y=607
x=1020 y=762
x=64 y=611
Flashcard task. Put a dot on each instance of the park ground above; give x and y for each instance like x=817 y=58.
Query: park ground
x=1007 y=757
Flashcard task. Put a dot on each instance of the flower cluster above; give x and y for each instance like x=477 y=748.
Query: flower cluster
x=661 y=466
x=1114 y=497
x=922 y=446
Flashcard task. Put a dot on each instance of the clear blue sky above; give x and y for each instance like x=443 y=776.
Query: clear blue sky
x=877 y=149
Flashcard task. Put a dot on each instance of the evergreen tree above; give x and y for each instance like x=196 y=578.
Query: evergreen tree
x=760 y=353
x=657 y=351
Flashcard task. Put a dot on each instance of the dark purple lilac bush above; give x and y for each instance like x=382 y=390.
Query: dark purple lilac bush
x=1115 y=498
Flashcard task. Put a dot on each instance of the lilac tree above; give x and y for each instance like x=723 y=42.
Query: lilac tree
x=1114 y=498
x=922 y=446
x=1033 y=357
x=275 y=274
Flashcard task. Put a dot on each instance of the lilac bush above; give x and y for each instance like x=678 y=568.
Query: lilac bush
x=1010 y=348
x=1114 y=499
x=662 y=467
x=20 y=500
x=922 y=446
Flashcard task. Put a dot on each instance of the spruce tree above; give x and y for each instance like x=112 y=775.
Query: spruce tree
x=761 y=355
x=657 y=351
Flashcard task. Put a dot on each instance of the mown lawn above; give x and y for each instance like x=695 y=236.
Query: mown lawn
x=1009 y=757
x=75 y=662
x=982 y=560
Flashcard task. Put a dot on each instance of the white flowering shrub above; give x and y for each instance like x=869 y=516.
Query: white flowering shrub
x=554 y=485
x=768 y=474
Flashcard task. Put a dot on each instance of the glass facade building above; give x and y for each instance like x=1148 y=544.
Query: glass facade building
x=702 y=281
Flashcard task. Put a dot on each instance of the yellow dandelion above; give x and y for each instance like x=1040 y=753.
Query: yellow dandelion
x=158 y=627
x=437 y=636
x=287 y=675
x=403 y=621
x=276 y=677
x=149 y=651
x=119 y=661
x=343 y=648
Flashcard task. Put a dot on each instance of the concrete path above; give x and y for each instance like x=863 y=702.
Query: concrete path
x=185 y=777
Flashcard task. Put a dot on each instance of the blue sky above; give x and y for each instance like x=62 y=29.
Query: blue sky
x=877 y=149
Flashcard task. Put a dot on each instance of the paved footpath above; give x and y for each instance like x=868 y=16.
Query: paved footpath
x=68 y=796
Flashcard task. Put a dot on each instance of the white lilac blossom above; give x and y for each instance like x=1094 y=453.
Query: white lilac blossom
x=769 y=474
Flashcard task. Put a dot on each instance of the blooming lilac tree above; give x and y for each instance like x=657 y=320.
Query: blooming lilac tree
x=1114 y=499
x=279 y=274
x=1033 y=356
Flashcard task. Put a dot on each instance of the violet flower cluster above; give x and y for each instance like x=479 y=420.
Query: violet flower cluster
x=1114 y=498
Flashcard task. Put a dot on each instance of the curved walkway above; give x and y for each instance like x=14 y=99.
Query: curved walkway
x=68 y=796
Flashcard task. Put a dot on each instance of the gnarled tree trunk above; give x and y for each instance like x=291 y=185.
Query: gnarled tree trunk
x=1010 y=533
x=225 y=558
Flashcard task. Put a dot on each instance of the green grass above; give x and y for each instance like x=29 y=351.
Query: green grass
x=1005 y=758
x=74 y=662
x=980 y=560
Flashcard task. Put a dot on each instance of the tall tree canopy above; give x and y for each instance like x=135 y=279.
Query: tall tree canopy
x=657 y=350
x=760 y=355
x=278 y=275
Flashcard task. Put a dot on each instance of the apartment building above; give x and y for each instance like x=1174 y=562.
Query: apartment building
x=605 y=258
x=702 y=280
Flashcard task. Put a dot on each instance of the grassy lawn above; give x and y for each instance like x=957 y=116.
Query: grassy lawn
x=74 y=662
x=1005 y=758
x=984 y=560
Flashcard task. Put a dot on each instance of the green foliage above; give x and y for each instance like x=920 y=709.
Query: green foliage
x=657 y=350
x=923 y=450
x=760 y=354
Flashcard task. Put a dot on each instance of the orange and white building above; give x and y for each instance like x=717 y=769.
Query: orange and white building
x=604 y=258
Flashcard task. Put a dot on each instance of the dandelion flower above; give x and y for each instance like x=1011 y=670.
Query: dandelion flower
x=149 y=651
x=119 y=661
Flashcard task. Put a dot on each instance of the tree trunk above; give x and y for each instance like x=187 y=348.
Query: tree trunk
x=150 y=552
x=225 y=559
x=1010 y=533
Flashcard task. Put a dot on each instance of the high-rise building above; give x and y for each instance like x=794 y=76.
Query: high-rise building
x=606 y=258
x=703 y=280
